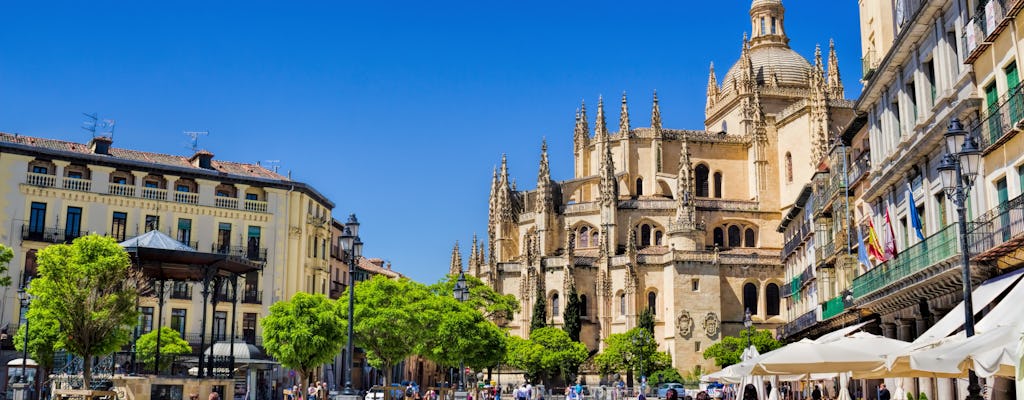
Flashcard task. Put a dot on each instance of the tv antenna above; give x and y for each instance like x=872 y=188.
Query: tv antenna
x=194 y=135
x=275 y=165
x=97 y=126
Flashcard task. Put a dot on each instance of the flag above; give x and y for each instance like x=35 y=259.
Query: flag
x=874 y=248
x=862 y=254
x=890 y=237
x=915 y=218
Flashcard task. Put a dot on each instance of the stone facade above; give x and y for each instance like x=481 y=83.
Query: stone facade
x=681 y=222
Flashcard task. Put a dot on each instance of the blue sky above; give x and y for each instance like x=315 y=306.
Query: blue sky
x=397 y=111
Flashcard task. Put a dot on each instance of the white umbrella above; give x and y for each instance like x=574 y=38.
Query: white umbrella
x=774 y=395
x=807 y=356
x=994 y=352
x=750 y=354
x=844 y=383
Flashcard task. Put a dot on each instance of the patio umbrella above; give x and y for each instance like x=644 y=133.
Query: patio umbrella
x=774 y=394
x=844 y=383
x=749 y=354
x=994 y=352
x=808 y=357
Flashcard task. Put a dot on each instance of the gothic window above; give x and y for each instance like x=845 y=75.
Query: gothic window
x=658 y=236
x=583 y=305
x=701 y=173
x=584 y=237
x=719 y=237
x=645 y=235
x=594 y=239
x=734 y=236
x=554 y=305
x=771 y=294
x=639 y=186
x=750 y=297
x=622 y=304
x=748 y=238
x=789 y=167
x=718 y=185
x=652 y=301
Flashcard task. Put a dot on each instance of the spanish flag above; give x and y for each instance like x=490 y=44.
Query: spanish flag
x=874 y=248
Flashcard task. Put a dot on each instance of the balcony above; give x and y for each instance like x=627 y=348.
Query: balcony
x=1001 y=120
x=247 y=252
x=252 y=297
x=225 y=202
x=337 y=289
x=719 y=204
x=255 y=206
x=47 y=235
x=869 y=63
x=795 y=241
x=859 y=168
x=225 y=295
x=804 y=321
x=181 y=291
x=186 y=197
x=154 y=193
x=980 y=31
x=79 y=184
x=44 y=180
x=118 y=189
x=934 y=249
x=575 y=208
x=998 y=232
x=833 y=307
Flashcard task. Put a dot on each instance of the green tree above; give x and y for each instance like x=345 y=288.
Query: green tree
x=549 y=351
x=5 y=259
x=540 y=312
x=646 y=320
x=728 y=351
x=665 y=375
x=494 y=305
x=89 y=288
x=171 y=344
x=572 y=324
x=304 y=332
x=632 y=351
x=454 y=332
x=43 y=340
x=387 y=323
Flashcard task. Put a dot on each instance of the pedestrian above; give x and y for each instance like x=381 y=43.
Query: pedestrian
x=883 y=393
x=703 y=395
x=410 y=393
x=750 y=392
x=214 y=396
x=816 y=393
x=671 y=394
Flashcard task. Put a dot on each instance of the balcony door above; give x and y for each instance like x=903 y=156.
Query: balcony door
x=253 y=244
x=37 y=220
x=249 y=327
x=220 y=326
x=73 y=224
x=224 y=237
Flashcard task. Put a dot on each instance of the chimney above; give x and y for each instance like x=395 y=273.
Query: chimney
x=202 y=159
x=101 y=145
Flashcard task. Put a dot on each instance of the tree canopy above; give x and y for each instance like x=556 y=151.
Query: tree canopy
x=45 y=337
x=5 y=260
x=549 y=351
x=494 y=305
x=728 y=351
x=632 y=351
x=646 y=320
x=171 y=344
x=571 y=317
x=455 y=332
x=89 y=288
x=304 y=332
x=540 y=312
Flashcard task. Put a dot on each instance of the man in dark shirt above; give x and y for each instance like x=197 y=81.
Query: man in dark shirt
x=816 y=393
x=883 y=393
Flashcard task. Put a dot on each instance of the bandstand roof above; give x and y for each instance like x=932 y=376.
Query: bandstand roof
x=162 y=257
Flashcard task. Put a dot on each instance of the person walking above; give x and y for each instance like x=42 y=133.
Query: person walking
x=671 y=394
x=883 y=393
x=816 y=393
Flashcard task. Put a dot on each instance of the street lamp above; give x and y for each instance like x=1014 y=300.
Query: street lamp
x=353 y=249
x=748 y=323
x=461 y=293
x=637 y=343
x=26 y=300
x=958 y=169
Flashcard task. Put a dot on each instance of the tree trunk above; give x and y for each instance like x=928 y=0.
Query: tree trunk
x=87 y=372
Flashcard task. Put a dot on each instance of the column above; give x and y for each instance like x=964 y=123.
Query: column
x=888 y=330
x=101 y=178
x=60 y=172
x=207 y=189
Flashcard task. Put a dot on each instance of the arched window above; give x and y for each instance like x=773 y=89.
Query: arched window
x=622 y=304
x=789 y=167
x=748 y=238
x=718 y=185
x=554 y=305
x=652 y=301
x=658 y=236
x=771 y=294
x=750 y=297
x=719 y=237
x=584 y=237
x=639 y=186
x=31 y=267
x=594 y=238
x=583 y=305
x=645 y=235
x=734 y=236
x=701 y=173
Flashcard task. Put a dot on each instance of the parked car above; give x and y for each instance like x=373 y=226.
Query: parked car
x=664 y=387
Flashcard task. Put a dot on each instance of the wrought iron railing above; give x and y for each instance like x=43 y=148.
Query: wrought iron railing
x=996 y=227
x=869 y=63
x=796 y=240
x=252 y=297
x=934 y=249
x=48 y=235
x=1000 y=119
x=181 y=291
x=804 y=321
x=987 y=18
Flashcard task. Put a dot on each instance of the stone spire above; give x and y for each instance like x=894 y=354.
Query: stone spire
x=600 y=130
x=570 y=257
x=748 y=80
x=581 y=133
x=656 y=114
x=474 y=259
x=544 y=195
x=624 y=117
x=685 y=209
x=818 y=102
x=819 y=66
x=712 y=88
x=608 y=188
x=631 y=242
x=503 y=196
x=492 y=202
x=835 y=84
x=456 y=266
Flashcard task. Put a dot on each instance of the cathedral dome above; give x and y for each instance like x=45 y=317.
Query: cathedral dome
x=789 y=67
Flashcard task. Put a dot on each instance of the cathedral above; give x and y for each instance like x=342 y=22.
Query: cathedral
x=680 y=222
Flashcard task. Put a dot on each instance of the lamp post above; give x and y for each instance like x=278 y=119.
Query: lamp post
x=353 y=248
x=25 y=300
x=461 y=293
x=748 y=323
x=958 y=169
